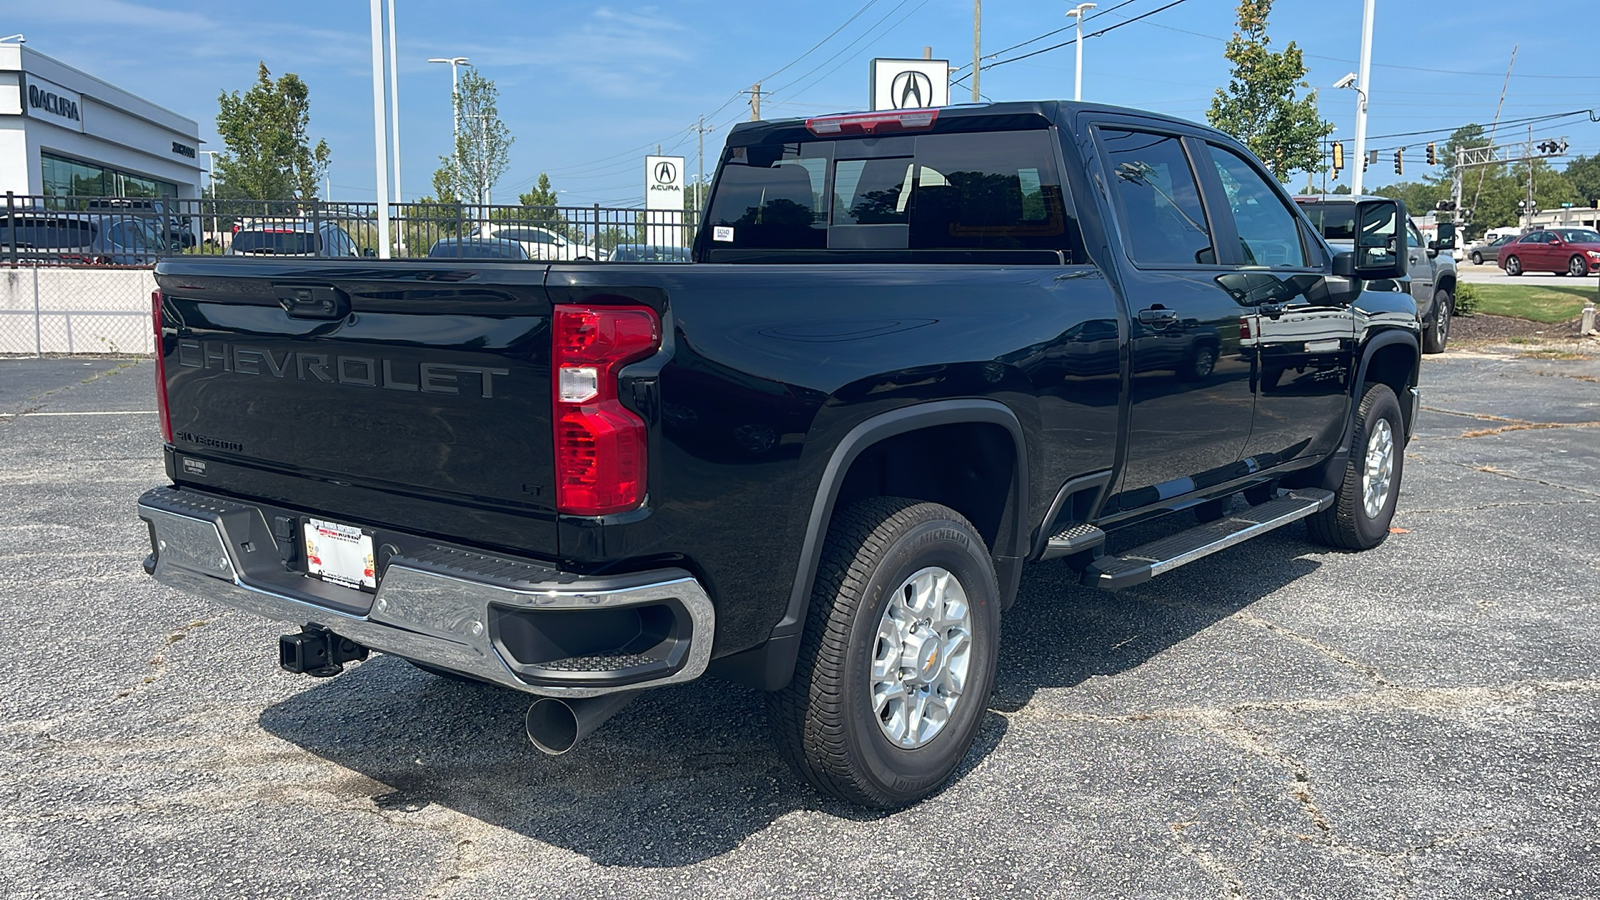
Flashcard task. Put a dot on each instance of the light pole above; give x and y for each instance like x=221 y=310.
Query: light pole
x=1358 y=167
x=379 y=114
x=394 y=103
x=1364 y=88
x=455 y=100
x=13 y=37
x=211 y=171
x=1077 y=81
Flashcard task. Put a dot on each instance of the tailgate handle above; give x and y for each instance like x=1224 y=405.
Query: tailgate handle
x=312 y=301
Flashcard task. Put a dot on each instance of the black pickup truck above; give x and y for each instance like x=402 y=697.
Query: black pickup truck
x=915 y=351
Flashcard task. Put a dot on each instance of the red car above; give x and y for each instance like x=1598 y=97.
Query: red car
x=1564 y=251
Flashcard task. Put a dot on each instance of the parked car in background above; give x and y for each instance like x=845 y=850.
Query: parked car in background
x=44 y=237
x=1488 y=248
x=1564 y=251
x=648 y=253
x=293 y=237
x=541 y=243
x=164 y=219
x=476 y=248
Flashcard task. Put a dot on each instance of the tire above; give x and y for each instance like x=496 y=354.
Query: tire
x=1477 y=259
x=844 y=728
x=1436 y=331
x=1198 y=364
x=1577 y=268
x=1359 y=518
x=1513 y=266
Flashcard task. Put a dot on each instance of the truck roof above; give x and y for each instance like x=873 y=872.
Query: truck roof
x=1008 y=114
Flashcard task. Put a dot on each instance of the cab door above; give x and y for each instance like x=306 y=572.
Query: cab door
x=1423 y=269
x=1189 y=392
x=1299 y=335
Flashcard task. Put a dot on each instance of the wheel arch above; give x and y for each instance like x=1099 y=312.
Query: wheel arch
x=1395 y=359
x=988 y=425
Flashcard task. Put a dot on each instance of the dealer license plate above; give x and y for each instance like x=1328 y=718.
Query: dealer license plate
x=340 y=554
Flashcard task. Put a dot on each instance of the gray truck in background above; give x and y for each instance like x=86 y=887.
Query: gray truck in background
x=1433 y=273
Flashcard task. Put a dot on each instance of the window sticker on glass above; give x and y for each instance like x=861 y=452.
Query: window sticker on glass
x=722 y=233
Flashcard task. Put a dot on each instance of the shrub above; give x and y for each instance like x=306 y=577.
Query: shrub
x=1466 y=298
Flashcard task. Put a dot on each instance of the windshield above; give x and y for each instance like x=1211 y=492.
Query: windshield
x=1334 y=221
x=1579 y=235
x=278 y=243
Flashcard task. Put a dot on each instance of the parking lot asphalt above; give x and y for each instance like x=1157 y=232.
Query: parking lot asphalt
x=1277 y=720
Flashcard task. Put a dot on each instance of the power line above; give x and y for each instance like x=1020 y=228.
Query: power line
x=853 y=17
x=1108 y=29
x=846 y=49
x=1041 y=37
x=1530 y=120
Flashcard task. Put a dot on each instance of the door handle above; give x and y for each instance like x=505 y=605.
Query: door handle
x=1158 y=315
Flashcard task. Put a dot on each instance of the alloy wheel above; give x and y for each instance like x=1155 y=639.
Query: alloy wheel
x=1379 y=470
x=921 y=657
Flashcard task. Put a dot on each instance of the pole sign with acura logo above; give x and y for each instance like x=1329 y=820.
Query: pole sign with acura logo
x=50 y=102
x=663 y=200
x=910 y=83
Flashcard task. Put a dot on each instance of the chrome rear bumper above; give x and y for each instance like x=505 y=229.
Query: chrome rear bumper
x=442 y=606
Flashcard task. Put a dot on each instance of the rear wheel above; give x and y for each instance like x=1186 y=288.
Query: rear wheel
x=1364 y=503
x=1477 y=259
x=1513 y=266
x=1577 y=268
x=898 y=657
x=1436 y=332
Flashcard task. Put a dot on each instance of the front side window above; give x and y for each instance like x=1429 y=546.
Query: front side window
x=1269 y=234
x=1158 y=198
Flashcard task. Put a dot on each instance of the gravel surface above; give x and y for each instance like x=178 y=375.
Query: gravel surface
x=1276 y=720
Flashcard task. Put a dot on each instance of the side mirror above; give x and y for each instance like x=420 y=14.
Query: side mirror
x=1447 y=236
x=1378 y=255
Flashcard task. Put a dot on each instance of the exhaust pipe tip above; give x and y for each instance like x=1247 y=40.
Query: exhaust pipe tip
x=556 y=726
x=552 y=726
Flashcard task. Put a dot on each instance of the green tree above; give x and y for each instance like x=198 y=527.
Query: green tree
x=483 y=146
x=1261 y=105
x=269 y=155
x=541 y=195
x=1584 y=173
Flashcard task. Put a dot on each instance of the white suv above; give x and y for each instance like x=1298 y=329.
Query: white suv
x=541 y=243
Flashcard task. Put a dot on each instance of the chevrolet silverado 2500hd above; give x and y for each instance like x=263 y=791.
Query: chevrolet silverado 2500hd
x=916 y=351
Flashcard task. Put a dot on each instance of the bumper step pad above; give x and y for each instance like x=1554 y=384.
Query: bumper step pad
x=1143 y=563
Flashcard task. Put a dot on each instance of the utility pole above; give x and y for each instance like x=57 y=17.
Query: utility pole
x=977 y=45
x=1363 y=91
x=755 y=102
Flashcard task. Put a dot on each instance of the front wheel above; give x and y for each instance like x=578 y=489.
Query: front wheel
x=1513 y=266
x=1477 y=259
x=1436 y=332
x=1364 y=503
x=898 y=657
x=1577 y=268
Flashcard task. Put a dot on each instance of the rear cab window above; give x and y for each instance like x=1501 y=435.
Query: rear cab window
x=960 y=193
x=277 y=242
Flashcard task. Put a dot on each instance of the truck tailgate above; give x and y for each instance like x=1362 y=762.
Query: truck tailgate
x=411 y=394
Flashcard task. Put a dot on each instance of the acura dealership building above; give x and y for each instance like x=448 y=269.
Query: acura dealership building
x=66 y=133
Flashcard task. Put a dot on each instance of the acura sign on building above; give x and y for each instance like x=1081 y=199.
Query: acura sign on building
x=910 y=83
x=663 y=200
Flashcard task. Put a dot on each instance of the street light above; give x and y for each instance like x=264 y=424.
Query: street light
x=455 y=102
x=1077 y=80
x=211 y=170
x=1362 y=85
x=13 y=37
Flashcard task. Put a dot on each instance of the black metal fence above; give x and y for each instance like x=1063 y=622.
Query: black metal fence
x=136 y=231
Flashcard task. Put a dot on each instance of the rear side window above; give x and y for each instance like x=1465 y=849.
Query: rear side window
x=1158 y=198
x=282 y=243
x=47 y=234
x=978 y=191
x=1334 y=221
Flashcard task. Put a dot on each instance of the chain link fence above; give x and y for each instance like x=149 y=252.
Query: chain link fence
x=75 y=272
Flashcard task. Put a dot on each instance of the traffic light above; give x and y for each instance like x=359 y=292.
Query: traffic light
x=1338 y=155
x=1433 y=159
x=1399 y=169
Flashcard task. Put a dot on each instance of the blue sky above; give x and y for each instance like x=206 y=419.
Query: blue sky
x=588 y=88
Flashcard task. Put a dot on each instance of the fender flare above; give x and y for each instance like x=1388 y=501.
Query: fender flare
x=783 y=645
x=1387 y=338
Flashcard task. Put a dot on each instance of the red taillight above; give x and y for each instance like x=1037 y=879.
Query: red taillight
x=600 y=444
x=873 y=122
x=161 y=370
